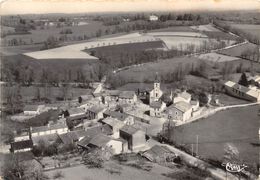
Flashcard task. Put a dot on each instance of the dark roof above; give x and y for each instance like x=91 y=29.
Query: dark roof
x=81 y=116
x=156 y=104
x=116 y=114
x=113 y=122
x=72 y=136
x=21 y=145
x=127 y=94
x=99 y=140
x=76 y=111
x=50 y=127
x=129 y=129
x=156 y=151
x=90 y=133
x=96 y=109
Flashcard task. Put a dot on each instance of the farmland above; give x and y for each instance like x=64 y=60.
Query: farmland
x=252 y=29
x=203 y=28
x=238 y=51
x=226 y=127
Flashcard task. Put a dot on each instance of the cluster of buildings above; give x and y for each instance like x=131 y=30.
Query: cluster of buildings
x=103 y=119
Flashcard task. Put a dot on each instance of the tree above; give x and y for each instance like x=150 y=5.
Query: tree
x=243 y=80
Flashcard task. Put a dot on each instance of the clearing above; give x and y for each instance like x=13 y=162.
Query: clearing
x=253 y=29
x=208 y=27
x=237 y=51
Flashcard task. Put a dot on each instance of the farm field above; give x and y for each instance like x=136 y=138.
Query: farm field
x=207 y=27
x=230 y=127
x=40 y=35
x=215 y=57
x=238 y=50
x=179 y=40
x=15 y=50
x=253 y=29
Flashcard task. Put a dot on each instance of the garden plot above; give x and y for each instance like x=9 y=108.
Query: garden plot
x=215 y=57
x=207 y=27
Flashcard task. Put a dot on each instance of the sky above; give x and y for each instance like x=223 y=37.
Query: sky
x=90 y=6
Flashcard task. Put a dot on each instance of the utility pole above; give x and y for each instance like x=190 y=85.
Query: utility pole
x=197 y=145
x=192 y=149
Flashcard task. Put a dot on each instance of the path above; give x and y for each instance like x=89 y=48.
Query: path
x=215 y=110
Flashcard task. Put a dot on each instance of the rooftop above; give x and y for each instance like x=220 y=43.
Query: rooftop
x=184 y=95
x=48 y=127
x=156 y=104
x=113 y=122
x=116 y=114
x=31 y=107
x=129 y=129
x=74 y=111
x=182 y=106
x=21 y=144
x=100 y=140
x=251 y=92
x=96 y=109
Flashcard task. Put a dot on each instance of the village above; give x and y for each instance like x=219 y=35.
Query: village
x=130 y=96
x=120 y=122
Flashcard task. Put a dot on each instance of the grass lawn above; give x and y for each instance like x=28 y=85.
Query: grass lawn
x=237 y=127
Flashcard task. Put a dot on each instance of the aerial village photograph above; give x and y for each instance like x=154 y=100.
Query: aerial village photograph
x=130 y=90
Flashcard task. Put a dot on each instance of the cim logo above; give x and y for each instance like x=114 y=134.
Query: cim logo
x=230 y=167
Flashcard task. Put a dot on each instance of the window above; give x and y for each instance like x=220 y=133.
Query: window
x=156 y=94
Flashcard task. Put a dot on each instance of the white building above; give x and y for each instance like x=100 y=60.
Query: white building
x=180 y=111
x=153 y=18
x=183 y=96
x=242 y=92
x=49 y=129
x=156 y=108
x=33 y=110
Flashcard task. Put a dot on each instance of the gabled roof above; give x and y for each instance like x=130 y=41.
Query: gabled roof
x=115 y=114
x=72 y=136
x=129 y=129
x=156 y=151
x=243 y=89
x=112 y=92
x=184 y=95
x=99 y=140
x=90 y=133
x=73 y=111
x=96 y=109
x=182 y=106
x=127 y=94
x=81 y=116
x=113 y=122
x=21 y=145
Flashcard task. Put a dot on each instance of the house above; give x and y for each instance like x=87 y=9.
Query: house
x=156 y=108
x=49 y=129
x=114 y=124
x=159 y=154
x=125 y=118
x=102 y=141
x=181 y=111
x=153 y=18
x=242 y=92
x=183 y=96
x=72 y=136
x=47 y=139
x=21 y=146
x=127 y=97
x=255 y=80
x=156 y=93
x=110 y=95
x=76 y=112
x=195 y=105
x=96 y=112
x=22 y=136
x=135 y=137
x=33 y=110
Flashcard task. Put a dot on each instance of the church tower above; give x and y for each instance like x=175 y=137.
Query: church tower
x=156 y=93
